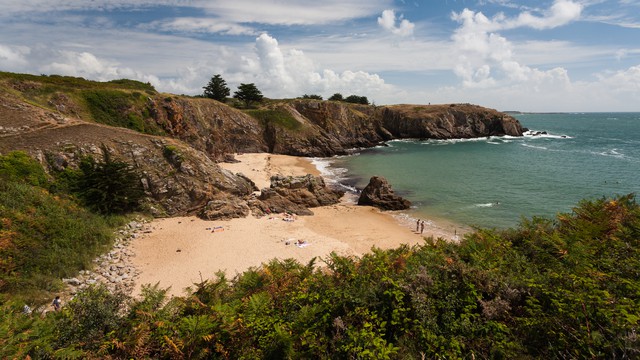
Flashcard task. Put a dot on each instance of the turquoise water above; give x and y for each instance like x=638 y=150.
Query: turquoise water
x=494 y=182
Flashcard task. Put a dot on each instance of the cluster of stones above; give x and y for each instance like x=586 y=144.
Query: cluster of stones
x=14 y=130
x=113 y=269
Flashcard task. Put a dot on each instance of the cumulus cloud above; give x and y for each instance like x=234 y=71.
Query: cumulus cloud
x=388 y=22
x=560 y=13
x=13 y=57
x=487 y=59
x=291 y=73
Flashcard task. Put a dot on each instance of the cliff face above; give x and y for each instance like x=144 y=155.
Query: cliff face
x=448 y=121
x=59 y=120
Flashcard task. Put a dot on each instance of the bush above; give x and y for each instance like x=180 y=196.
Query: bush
x=110 y=186
x=44 y=238
x=19 y=167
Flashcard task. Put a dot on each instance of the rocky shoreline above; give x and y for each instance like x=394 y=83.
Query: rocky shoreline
x=113 y=269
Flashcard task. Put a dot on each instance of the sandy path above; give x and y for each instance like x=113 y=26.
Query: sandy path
x=180 y=251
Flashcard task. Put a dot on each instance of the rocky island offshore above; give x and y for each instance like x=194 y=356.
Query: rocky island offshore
x=175 y=142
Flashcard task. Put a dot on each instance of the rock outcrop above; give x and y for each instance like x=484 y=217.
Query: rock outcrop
x=295 y=194
x=378 y=193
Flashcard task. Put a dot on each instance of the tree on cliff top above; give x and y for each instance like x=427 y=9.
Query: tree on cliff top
x=217 y=89
x=248 y=93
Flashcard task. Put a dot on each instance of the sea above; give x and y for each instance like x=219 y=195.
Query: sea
x=496 y=182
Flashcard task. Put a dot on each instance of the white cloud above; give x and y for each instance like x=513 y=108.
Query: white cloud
x=291 y=73
x=201 y=25
x=292 y=12
x=13 y=57
x=388 y=22
x=560 y=13
x=487 y=59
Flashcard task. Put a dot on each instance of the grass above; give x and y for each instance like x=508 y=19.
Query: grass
x=277 y=117
x=43 y=236
x=119 y=103
x=70 y=82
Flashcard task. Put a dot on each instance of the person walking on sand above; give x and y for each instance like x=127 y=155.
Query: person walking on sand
x=57 y=303
x=421 y=227
x=417 y=225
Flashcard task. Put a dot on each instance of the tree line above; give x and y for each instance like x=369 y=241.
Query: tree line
x=217 y=89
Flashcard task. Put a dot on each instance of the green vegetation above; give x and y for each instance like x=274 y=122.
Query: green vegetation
x=120 y=103
x=277 y=117
x=217 y=89
x=248 y=93
x=563 y=288
x=110 y=186
x=45 y=236
x=312 y=96
x=19 y=167
x=354 y=99
x=118 y=108
x=59 y=82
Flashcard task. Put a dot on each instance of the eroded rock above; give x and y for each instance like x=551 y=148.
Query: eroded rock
x=378 y=193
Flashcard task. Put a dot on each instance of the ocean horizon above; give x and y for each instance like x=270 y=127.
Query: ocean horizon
x=495 y=182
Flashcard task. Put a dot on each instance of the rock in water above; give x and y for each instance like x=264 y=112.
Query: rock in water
x=378 y=193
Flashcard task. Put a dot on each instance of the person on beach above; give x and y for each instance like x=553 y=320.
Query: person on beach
x=57 y=303
x=421 y=227
x=417 y=225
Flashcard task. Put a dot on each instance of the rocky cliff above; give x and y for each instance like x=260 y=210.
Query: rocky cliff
x=175 y=141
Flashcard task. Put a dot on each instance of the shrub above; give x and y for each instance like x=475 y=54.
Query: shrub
x=20 y=167
x=110 y=186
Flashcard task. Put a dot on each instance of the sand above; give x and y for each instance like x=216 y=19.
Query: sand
x=182 y=251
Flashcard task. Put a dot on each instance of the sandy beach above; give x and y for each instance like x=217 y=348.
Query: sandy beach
x=179 y=252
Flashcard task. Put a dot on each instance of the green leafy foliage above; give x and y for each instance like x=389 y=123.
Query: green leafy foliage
x=248 y=93
x=312 y=96
x=109 y=186
x=17 y=166
x=43 y=237
x=217 y=89
x=355 y=99
x=118 y=108
x=563 y=288
x=336 y=97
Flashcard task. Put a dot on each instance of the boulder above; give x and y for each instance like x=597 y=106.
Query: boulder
x=297 y=194
x=378 y=193
x=224 y=209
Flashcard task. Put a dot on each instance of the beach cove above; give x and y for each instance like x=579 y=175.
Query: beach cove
x=182 y=251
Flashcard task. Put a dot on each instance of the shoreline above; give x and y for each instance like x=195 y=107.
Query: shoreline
x=179 y=252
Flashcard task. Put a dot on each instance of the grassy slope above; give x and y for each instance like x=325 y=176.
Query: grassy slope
x=44 y=236
x=119 y=103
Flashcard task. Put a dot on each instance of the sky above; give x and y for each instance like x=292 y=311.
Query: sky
x=545 y=55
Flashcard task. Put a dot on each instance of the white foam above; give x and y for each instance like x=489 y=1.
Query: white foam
x=332 y=175
x=485 y=205
x=534 y=147
x=537 y=134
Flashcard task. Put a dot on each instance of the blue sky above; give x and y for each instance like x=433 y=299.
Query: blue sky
x=555 y=55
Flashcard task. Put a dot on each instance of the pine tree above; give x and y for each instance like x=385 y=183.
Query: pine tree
x=217 y=89
x=109 y=186
x=248 y=93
